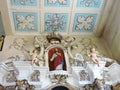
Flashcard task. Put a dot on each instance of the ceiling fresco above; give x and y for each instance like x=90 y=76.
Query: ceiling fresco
x=64 y=16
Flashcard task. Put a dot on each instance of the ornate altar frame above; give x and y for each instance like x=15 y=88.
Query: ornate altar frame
x=64 y=51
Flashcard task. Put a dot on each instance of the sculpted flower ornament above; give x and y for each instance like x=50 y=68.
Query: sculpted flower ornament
x=62 y=1
x=55 y=22
x=89 y=3
x=25 y=22
x=24 y=2
x=57 y=1
x=51 y=1
x=84 y=23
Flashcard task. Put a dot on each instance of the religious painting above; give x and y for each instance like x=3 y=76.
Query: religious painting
x=56 y=59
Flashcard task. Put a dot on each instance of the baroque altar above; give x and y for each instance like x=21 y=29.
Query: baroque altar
x=51 y=64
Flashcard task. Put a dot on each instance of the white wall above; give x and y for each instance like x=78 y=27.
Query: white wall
x=112 y=30
x=1 y=27
x=5 y=17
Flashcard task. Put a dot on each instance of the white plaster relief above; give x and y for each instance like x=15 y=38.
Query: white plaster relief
x=57 y=1
x=89 y=3
x=84 y=23
x=24 y=2
x=25 y=22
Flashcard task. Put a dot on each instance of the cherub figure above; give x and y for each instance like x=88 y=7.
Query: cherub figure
x=94 y=56
x=36 y=59
x=34 y=55
x=23 y=85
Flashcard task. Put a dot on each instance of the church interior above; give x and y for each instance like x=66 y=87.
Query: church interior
x=59 y=45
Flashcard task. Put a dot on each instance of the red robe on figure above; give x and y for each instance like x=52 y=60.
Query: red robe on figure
x=56 y=58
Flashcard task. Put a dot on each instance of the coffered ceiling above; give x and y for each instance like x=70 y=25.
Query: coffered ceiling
x=64 y=16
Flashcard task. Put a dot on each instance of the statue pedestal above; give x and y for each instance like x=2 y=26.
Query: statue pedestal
x=95 y=69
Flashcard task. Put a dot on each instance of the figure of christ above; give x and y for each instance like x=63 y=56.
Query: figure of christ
x=58 y=60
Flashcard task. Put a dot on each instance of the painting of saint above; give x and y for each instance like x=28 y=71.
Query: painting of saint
x=56 y=59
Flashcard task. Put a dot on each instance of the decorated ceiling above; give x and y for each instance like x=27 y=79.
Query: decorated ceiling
x=64 y=16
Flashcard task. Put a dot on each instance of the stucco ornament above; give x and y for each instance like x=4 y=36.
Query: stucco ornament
x=51 y=1
x=89 y=3
x=24 y=2
x=55 y=22
x=62 y=1
x=59 y=1
x=84 y=23
x=24 y=22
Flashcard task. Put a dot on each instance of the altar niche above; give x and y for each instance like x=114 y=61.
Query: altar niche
x=56 y=59
x=60 y=88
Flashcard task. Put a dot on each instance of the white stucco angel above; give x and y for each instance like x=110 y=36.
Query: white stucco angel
x=36 y=58
x=94 y=56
